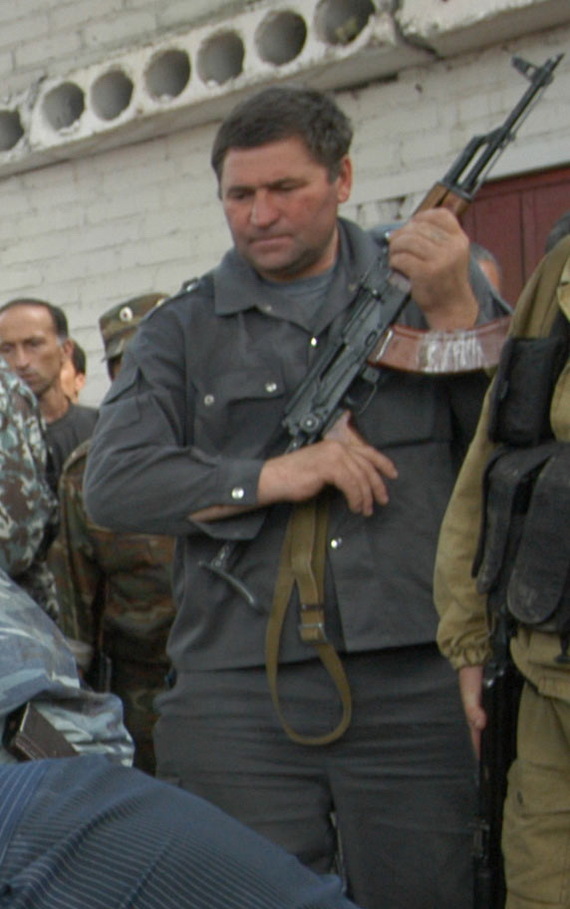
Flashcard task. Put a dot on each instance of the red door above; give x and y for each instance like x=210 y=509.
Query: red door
x=513 y=217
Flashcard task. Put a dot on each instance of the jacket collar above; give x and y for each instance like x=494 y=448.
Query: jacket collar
x=238 y=287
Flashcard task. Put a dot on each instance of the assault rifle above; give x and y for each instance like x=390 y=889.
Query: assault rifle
x=355 y=351
x=383 y=293
x=502 y=684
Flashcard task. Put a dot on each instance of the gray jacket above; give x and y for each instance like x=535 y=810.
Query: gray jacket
x=196 y=410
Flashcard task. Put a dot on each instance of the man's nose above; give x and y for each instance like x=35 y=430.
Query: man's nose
x=263 y=210
x=19 y=358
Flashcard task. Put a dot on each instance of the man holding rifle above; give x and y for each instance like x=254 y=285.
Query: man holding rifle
x=190 y=443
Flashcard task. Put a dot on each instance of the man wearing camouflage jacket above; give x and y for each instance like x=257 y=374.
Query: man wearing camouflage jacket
x=115 y=589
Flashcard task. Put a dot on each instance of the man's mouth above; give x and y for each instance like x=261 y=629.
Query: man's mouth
x=27 y=377
x=274 y=240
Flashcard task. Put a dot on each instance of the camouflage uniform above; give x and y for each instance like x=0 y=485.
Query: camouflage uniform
x=35 y=664
x=28 y=510
x=115 y=589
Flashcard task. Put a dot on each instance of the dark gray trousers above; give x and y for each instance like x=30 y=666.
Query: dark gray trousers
x=397 y=791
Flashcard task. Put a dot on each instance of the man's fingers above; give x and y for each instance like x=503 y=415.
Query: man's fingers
x=356 y=469
x=373 y=475
x=471 y=688
x=360 y=476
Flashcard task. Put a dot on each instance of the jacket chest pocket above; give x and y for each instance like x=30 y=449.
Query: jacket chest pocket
x=239 y=411
x=407 y=409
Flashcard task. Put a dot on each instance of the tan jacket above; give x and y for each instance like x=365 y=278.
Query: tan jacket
x=463 y=634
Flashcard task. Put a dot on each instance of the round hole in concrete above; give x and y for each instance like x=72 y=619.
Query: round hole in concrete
x=63 y=105
x=281 y=37
x=341 y=21
x=11 y=129
x=111 y=94
x=168 y=74
x=220 y=58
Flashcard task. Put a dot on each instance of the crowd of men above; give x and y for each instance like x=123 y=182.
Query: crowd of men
x=264 y=609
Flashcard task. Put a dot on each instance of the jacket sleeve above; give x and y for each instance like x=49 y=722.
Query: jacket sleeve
x=463 y=634
x=79 y=579
x=144 y=474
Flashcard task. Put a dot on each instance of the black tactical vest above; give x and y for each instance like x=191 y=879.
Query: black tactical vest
x=523 y=559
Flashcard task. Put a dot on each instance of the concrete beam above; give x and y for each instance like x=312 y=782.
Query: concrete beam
x=452 y=27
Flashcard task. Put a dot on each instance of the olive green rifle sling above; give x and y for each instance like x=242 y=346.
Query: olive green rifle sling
x=303 y=563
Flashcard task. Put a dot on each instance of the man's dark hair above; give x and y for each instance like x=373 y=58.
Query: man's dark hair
x=560 y=229
x=281 y=112
x=58 y=316
x=79 y=358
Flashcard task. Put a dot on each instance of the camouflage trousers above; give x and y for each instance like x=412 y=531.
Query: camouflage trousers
x=536 y=831
x=137 y=684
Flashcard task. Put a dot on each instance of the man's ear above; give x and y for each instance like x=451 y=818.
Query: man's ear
x=344 y=180
x=66 y=348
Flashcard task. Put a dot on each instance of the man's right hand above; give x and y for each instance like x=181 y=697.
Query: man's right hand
x=471 y=687
x=343 y=460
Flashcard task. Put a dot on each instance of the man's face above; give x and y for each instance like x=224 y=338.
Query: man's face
x=281 y=208
x=31 y=348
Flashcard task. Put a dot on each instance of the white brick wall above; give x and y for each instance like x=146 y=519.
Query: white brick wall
x=47 y=37
x=92 y=231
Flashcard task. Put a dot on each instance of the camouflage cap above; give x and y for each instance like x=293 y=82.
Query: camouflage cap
x=119 y=323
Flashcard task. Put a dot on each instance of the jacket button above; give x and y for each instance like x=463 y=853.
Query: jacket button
x=238 y=493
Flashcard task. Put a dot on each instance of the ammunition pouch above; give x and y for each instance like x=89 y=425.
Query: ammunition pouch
x=524 y=383
x=523 y=558
x=524 y=553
